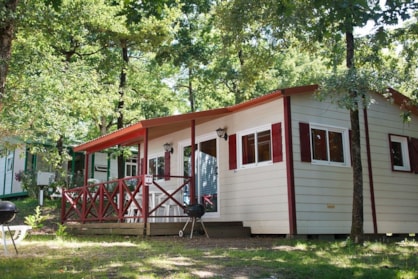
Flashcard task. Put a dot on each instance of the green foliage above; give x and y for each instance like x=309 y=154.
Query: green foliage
x=339 y=87
x=36 y=220
x=61 y=232
x=122 y=257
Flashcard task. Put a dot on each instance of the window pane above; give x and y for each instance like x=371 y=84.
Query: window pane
x=248 y=149
x=336 y=153
x=160 y=166
x=264 y=146
x=396 y=148
x=152 y=163
x=319 y=145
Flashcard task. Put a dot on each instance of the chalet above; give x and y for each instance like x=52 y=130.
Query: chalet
x=279 y=163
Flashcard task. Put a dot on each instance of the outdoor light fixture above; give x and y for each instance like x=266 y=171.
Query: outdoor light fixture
x=168 y=148
x=222 y=133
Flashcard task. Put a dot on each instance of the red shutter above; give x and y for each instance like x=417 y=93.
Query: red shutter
x=167 y=165
x=232 y=143
x=276 y=135
x=305 y=142
x=413 y=151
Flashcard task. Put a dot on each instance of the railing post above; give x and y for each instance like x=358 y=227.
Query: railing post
x=101 y=201
x=84 y=205
x=121 y=206
x=145 y=197
x=63 y=205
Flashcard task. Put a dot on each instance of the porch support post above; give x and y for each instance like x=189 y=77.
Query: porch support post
x=193 y=163
x=370 y=170
x=86 y=168
x=145 y=190
x=291 y=200
x=138 y=161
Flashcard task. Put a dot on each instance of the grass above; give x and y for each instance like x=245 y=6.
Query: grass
x=47 y=256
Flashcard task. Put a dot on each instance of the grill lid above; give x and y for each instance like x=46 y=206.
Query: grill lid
x=195 y=210
x=8 y=212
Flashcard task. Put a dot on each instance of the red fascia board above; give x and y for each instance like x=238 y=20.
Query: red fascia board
x=155 y=122
x=402 y=101
x=132 y=134
x=112 y=139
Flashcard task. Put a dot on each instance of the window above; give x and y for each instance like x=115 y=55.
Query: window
x=399 y=153
x=259 y=146
x=324 y=144
x=156 y=166
x=131 y=167
x=255 y=147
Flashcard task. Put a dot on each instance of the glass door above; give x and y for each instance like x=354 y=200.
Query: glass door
x=206 y=183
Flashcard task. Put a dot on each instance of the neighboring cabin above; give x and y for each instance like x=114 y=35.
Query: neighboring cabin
x=103 y=168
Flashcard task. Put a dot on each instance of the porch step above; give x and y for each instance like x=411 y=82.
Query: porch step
x=136 y=229
x=214 y=229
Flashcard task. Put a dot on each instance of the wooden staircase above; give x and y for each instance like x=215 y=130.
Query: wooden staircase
x=214 y=229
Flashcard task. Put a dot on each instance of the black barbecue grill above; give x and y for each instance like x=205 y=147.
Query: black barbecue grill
x=194 y=211
x=8 y=212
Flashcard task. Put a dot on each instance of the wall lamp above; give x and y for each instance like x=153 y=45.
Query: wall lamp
x=168 y=147
x=222 y=133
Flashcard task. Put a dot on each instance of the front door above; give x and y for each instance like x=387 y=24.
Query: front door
x=206 y=184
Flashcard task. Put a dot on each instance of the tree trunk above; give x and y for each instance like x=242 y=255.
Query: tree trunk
x=7 y=26
x=357 y=233
x=120 y=124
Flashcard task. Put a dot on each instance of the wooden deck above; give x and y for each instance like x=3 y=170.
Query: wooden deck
x=214 y=229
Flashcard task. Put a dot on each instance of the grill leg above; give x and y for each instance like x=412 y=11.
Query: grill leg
x=204 y=228
x=13 y=241
x=4 y=239
x=191 y=232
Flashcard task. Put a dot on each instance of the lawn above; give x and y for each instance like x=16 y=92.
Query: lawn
x=49 y=256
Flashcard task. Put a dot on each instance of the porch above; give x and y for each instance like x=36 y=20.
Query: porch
x=119 y=207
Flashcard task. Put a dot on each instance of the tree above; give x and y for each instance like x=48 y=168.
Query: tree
x=319 y=21
x=7 y=29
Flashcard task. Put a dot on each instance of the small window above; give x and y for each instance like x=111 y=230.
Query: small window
x=255 y=147
x=131 y=167
x=399 y=153
x=329 y=145
x=156 y=167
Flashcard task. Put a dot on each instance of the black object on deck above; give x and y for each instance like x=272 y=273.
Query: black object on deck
x=194 y=211
x=8 y=212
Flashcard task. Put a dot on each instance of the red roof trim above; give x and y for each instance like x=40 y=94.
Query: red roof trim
x=402 y=101
x=133 y=133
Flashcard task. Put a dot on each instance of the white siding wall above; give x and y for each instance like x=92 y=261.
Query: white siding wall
x=8 y=183
x=396 y=193
x=324 y=193
x=257 y=196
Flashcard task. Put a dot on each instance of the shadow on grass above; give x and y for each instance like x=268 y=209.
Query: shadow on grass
x=117 y=257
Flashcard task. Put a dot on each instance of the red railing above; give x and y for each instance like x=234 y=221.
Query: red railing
x=121 y=201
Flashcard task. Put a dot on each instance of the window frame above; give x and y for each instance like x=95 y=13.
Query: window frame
x=130 y=164
x=156 y=157
x=345 y=145
x=404 y=141
x=254 y=132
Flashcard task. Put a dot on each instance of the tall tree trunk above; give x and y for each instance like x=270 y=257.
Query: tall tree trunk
x=122 y=84
x=357 y=233
x=7 y=26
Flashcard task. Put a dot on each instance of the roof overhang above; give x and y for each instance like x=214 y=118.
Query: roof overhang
x=157 y=127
